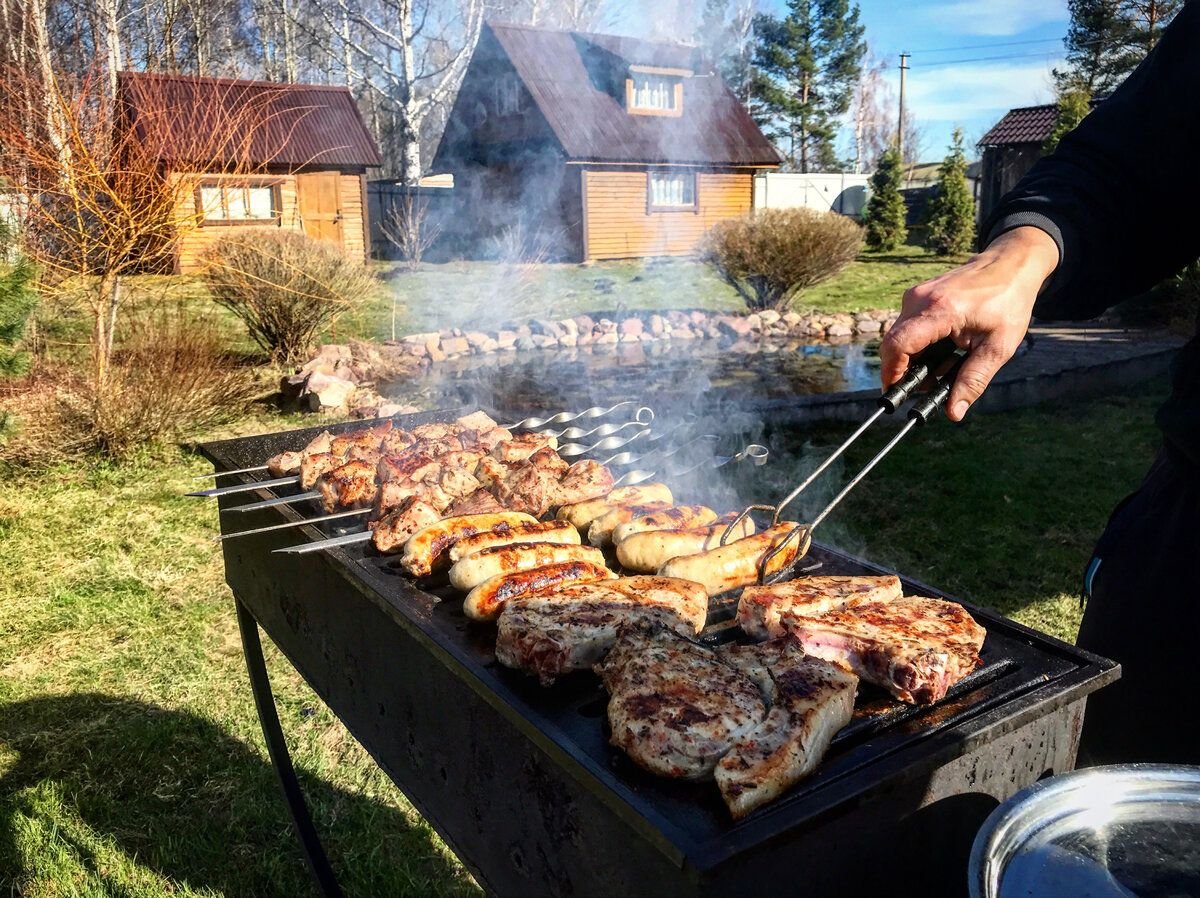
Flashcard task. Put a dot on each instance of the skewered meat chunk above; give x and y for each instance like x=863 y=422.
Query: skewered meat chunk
x=760 y=606
x=392 y=531
x=556 y=631
x=584 y=480
x=492 y=472
x=673 y=706
x=478 y=421
x=523 y=446
x=487 y=440
x=313 y=466
x=370 y=438
x=436 y=431
x=478 y=502
x=285 y=463
x=532 y=485
x=396 y=441
x=809 y=699
x=409 y=466
x=457 y=482
x=352 y=485
x=914 y=647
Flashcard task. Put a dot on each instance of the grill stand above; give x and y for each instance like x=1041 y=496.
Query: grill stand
x=281 y=760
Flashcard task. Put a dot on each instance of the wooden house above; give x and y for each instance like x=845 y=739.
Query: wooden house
x=607 y=147
x=1009 y=150
x=254 y=154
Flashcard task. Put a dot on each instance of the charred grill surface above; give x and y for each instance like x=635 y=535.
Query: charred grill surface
x=672 y=836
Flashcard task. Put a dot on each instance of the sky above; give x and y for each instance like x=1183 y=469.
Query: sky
x=972 y=60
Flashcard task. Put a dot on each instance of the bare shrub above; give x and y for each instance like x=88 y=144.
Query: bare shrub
x=285 y=287
x=408 y=227
x=774 y=254
x=172 y=378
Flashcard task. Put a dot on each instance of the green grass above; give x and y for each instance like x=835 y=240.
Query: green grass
x=130 y=758
x=473 y=295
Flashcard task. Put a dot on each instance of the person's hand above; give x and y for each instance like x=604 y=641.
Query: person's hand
x=984 y=305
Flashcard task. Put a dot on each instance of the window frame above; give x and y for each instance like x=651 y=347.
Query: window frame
x=224 y=184
x=693 y=207
x=674 y=79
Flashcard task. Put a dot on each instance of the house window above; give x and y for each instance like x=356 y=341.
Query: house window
x=672 y=190
x=653 y=93
x=508 y=95
x=238 y=202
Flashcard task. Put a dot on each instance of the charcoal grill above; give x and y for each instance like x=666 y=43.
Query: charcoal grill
x=520 y=782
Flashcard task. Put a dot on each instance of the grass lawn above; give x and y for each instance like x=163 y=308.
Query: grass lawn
x=473 y=295
x=130 y=758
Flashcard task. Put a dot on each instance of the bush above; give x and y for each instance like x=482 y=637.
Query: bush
x=285 y=287
x=774 y=254
x=16 y=305
x=950 y=226
x=886 y=213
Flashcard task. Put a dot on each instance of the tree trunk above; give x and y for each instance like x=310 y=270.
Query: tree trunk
x=108 y=300
x=112 y=42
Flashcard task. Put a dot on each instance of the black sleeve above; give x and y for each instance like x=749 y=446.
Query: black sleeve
x=1121 y=194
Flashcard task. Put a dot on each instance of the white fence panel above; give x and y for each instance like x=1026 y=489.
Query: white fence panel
x=844 y=193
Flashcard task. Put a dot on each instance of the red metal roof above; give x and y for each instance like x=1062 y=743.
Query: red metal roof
x=1027 y=124
x=577 y=81
x=187 y=119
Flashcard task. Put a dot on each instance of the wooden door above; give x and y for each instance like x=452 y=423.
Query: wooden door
x=320 y=205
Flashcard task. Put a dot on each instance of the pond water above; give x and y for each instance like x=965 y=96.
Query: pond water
x=701 y=376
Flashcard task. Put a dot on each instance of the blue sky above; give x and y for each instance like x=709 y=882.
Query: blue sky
x=1008 y=50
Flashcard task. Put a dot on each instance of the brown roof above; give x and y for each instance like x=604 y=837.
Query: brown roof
x=1028 y=124
x=577 y=81
x=187 y=119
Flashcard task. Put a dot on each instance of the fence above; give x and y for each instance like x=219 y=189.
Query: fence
x=844 y=193
x=388 y=200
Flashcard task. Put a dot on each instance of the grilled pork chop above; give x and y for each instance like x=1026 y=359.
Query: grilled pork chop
x=809 y=699
x=916 y=648
x=760 y=606
x=559 y=630
x=674 y=707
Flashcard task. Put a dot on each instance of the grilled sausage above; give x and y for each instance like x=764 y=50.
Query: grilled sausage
x=650 y=550
x=736 y=563
x=487 y=600
x=600 y=531
x=428 y=549
x=487 y=563
x=680 y=517
x=541 y=532
x=583 y=513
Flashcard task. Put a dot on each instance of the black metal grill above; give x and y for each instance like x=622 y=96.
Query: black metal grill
x=520 y=781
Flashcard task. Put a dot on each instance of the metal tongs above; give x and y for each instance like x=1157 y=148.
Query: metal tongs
x=923 y=367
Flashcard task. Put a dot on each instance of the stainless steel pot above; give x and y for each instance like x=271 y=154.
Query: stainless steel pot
x=1104 y=832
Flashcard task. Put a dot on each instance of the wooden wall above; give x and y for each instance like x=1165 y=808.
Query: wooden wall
x=194 y=240
x=618 y=225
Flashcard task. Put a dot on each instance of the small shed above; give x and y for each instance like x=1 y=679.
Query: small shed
x=255 y=154
x=609 y=147
x=1009 y=150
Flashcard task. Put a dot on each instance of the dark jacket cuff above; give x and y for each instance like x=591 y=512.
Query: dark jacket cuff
x=1014 y=220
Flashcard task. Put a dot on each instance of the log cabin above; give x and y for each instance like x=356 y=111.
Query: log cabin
x=254 y=154
x=594 y=146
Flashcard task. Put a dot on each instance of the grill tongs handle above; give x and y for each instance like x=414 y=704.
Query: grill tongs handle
x=920 y=414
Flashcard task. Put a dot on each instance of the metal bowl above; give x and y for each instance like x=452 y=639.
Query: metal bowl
x=1126 y=831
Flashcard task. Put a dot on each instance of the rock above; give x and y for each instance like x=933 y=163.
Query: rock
x=814 y=330
x=769 y=317
x=755 y=322
x=419 y=338
x=889 y=323
x=678 y=318
x=524 y=344
x=488 y=345
x=793 y=319
x=541 y=341
x=631 y=338
x=553 y=329
x=683 y=333
x=607 y=326
x=436 y=355
x=585 y=323
x=568 y=340
x=506 y=339
x=389 y=409
x=524 y=330
x=329 y=392
x=647 y=337
x=867 y=326
x=455 y=346
x=570 y=326
x=658 y=326
x=433 y=344
x=585 y=338
x=838 y=329
x=698 y=317
x=607 y=338
x=632 y=327
x=475 y=339
x=734 y=325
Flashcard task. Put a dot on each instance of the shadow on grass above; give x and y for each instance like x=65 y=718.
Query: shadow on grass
x=119 y=786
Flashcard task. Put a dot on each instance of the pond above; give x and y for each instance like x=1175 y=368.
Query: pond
x=702 y=376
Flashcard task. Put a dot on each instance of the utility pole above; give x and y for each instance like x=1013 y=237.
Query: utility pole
x=900 y=121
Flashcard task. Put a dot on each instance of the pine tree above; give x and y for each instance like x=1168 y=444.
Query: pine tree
x=951 y=222
x=726 y=34
x=1074 y=104
x=16 y=304
x=806 y=66
x=885 y=214
x=1108 y=38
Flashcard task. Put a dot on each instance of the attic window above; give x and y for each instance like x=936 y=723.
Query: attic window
x=508 y=95
x=654 y=92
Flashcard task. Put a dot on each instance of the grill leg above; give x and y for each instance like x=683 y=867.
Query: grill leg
x=264 y=701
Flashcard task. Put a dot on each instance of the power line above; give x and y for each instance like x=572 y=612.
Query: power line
x=1043 y=40
x=938 y=64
